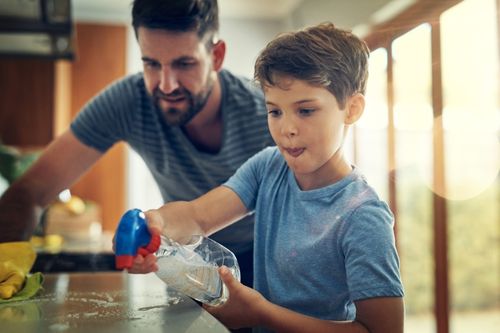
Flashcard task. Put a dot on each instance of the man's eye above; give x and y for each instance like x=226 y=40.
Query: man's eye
x=152 y=65
x=184 y=65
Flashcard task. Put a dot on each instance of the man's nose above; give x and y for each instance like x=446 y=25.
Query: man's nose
x=168 y=81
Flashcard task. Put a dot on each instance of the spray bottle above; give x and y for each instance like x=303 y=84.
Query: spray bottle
x=190 y=268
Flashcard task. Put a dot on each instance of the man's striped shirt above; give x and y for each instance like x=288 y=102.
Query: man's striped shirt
x=124 y=112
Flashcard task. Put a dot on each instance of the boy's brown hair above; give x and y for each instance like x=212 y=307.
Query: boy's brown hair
x=321 y=55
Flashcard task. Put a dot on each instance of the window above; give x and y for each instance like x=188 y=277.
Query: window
x=470 y=63
x=413 y=155
x=371 y=129
x=431 y=134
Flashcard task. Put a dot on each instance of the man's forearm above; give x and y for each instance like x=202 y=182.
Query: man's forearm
x=61 y=164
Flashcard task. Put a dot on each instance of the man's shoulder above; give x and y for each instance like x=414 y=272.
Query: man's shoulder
x=118 y=97
x=239 y=84
x=130 y=81
x=123 y=90
x=243 y=96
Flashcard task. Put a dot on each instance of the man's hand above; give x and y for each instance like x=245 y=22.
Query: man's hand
x=16 y=260
x=18 y=215
x=242 y=307
x=60 y=165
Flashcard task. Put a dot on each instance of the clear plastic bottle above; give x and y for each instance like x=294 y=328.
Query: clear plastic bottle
x=192 y=268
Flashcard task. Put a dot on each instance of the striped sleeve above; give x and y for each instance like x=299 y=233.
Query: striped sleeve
x=106 y=118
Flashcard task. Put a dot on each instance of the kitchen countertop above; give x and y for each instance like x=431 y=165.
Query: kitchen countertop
x=106 y=302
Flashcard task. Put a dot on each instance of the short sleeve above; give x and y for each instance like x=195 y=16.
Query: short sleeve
x=106 y=118
x=247 y=179
x=371 y=259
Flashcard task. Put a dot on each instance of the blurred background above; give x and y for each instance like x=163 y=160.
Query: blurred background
x=428 y=140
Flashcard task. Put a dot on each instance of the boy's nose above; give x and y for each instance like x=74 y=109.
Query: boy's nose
x=289 y=127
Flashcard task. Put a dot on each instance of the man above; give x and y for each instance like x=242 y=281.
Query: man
x=192 y=122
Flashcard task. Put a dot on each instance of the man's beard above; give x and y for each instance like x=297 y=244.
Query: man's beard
x=195 y=103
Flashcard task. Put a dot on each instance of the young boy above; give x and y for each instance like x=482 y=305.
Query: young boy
x=325 y=259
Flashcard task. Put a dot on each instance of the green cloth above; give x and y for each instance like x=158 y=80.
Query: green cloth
x=31 y=287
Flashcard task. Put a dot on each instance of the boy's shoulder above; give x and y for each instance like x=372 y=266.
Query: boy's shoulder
x=362 y=204
x=272 y=154
x=269 y=156
x=358 y=194
x=358 y=189
x=267 y=163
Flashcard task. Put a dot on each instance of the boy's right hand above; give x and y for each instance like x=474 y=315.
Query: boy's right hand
x=147 y=264
x=143 y=265
x=154 y=221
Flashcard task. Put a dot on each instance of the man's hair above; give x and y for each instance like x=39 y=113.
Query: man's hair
x=201 y=16
x=321 y=55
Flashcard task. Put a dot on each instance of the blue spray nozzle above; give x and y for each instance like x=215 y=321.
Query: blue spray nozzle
x=133 y=237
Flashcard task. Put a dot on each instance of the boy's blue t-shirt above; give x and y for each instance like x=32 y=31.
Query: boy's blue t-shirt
x=318 y=251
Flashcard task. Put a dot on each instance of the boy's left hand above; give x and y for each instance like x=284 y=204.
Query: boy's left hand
x=243 y=307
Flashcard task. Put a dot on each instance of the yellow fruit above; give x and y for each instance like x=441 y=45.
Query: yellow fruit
x=75 y=205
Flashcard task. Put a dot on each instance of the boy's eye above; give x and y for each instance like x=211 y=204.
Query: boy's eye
x=274 y=113
x=306 y=112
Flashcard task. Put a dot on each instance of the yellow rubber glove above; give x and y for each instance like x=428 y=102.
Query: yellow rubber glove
x=16 y=260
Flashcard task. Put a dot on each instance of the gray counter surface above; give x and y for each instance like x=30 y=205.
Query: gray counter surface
x=106 y=302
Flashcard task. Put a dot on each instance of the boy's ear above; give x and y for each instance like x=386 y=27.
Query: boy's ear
x=354 y=108
x=218 y=52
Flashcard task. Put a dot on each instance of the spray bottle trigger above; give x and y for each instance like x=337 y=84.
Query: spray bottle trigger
x=152 y=247
x=142 y=251
x=154 y=243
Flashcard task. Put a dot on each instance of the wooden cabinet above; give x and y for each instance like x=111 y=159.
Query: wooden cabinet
x=40 y=97
x=27 y=103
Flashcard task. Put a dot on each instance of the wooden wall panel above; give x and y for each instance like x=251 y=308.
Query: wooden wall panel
x=100 y=59
x=26 y=105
